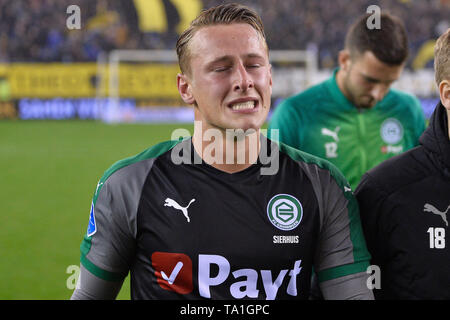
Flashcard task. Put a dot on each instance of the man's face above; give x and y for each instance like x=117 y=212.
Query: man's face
x=366 y=80
x=230 y=79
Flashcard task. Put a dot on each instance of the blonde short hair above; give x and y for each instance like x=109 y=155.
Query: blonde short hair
x=442 y=57
x=222 y=14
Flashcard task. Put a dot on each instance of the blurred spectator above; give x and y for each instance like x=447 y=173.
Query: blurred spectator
x=35 y=30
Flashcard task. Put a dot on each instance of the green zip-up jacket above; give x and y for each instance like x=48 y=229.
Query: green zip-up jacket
x=323 y=122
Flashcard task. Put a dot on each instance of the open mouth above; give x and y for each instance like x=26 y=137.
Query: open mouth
x=245 y=106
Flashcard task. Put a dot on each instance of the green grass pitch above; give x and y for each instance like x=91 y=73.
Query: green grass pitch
x=48 y=173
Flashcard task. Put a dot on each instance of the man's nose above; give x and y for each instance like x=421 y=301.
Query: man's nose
x=378 y=92
x=242 y=80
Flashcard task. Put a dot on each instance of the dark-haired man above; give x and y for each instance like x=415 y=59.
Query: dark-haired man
x=405 y=206
x=354 y=119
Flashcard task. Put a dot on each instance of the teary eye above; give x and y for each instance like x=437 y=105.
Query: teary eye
x=221 y=69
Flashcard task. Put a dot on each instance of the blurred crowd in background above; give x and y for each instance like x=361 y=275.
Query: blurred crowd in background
x=36 y=31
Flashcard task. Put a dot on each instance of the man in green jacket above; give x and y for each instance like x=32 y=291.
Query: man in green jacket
x=354 y=119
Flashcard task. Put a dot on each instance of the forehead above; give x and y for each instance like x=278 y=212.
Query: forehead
x=369 y=65
x=233 y=39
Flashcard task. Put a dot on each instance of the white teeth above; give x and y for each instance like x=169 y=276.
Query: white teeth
x=244 y=105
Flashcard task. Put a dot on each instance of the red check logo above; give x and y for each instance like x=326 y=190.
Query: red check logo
x=173 y=271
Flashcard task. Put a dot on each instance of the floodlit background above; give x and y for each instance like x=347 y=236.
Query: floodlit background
x=79 y=92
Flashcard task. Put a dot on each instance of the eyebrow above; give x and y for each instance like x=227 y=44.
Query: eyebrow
x=228 y=58
x=218 y=60
x=370 y=79
x=374 y=80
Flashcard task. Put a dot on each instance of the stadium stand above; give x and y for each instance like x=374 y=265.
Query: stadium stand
x=34 y=30
x=51 y=71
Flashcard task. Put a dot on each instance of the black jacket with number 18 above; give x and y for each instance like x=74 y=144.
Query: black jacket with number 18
x=405 y=213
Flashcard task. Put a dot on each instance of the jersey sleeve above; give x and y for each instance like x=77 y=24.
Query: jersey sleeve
x=90 y=287
x=108 y=244
x=350 y=287
x=342 y=249
x=108 y=248
x=285 y=119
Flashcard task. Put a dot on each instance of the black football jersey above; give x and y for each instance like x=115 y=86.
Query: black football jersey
x=186 y=230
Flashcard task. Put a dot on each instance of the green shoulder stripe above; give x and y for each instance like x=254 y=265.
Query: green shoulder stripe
x=86 y=244
x=302 y=156
x=149 y=153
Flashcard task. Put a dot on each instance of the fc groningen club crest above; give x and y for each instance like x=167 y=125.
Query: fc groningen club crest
x=391 y=131
x=285 y=212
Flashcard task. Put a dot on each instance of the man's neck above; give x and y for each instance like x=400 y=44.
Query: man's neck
x=340 y=84
x=225 y=150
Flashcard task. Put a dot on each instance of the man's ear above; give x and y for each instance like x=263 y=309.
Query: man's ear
x=271 y=80
x=184 y=88
x=344 y=59
x=444 y=93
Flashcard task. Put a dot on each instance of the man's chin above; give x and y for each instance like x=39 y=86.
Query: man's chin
x=366 y=105
x=245 y=130
x=245 y=126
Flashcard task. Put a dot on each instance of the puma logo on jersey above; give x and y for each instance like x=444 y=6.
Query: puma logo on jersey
x=330 y=133
x=430 y=208
x=172 y=203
